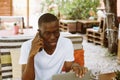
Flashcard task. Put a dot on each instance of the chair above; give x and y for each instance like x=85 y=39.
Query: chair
x=97 y=34
x=79 y=56
x=5 y=65
x=16 y=67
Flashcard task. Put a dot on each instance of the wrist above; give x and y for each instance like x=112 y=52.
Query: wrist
x=74 y=65
x=31 y=55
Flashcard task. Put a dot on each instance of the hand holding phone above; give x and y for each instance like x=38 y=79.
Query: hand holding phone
x=37 y=44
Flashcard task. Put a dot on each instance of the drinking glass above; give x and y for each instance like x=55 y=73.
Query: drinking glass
x=95 y=72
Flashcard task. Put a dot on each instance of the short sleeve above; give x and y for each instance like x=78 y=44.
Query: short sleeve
x=69 y=51
x=25 y=49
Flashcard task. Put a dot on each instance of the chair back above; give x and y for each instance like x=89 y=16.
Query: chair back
x=5 y=65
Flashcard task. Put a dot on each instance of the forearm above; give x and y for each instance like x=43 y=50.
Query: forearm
x=28 y=73
x=75 y=65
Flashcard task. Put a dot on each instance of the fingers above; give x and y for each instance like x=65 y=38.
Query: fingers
x=37 y=35
x=80 y=71
x=37 y=43
x=40 y=44
x=76 y=70
x=37 y=39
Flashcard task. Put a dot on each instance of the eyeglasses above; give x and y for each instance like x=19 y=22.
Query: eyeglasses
x=48 y=34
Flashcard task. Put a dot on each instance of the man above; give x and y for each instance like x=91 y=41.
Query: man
x=46 y=54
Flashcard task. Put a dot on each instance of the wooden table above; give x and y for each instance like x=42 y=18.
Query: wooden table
x=83 y=24
x=107 y=76
x=8 y=40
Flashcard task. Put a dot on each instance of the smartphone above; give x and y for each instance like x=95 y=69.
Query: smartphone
x=40 y=37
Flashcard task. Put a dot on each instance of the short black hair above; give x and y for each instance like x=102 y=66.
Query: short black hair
x=47 y=17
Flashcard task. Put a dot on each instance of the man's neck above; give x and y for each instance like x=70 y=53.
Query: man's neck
x=49 y=51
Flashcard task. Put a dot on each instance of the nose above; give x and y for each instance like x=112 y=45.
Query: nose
x=52 y=36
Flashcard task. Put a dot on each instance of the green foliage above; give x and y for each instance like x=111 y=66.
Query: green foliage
x=78 y=9
x=74 y=9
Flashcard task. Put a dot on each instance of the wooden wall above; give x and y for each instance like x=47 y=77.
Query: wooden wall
x=5 y=7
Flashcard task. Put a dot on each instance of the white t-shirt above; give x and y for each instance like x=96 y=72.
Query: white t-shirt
x=47 y=65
